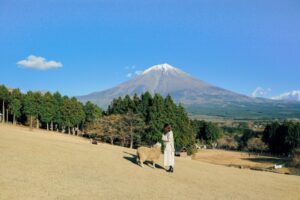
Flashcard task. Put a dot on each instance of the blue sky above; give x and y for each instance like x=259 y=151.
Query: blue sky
x=237 y=45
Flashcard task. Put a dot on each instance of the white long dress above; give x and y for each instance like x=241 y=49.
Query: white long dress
x=169 y=153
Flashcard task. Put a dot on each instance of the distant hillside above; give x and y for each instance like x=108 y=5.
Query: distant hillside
x=198 y=96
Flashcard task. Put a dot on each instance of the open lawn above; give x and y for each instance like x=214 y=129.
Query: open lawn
x=244 y=160
x=45 y=165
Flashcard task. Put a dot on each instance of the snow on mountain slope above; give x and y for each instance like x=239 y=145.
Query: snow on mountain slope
x=166 y=79
x=198 y=96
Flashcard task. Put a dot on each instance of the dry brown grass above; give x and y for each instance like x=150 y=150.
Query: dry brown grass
x=222 y=157
x=243 y=160
x=45 y=165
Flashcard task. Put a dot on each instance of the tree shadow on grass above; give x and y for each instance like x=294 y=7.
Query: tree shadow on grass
x=133 y=159
x=266 y=160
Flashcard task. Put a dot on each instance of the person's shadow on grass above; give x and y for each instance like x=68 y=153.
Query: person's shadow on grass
x=133 y=159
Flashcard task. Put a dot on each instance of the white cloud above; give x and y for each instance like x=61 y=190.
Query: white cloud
x=40 y=63
x=138 y=72
x=130 y=67
x=133 y=74
x=260 y=92
x=129 y=75
x=289 y=96
x=132 y=71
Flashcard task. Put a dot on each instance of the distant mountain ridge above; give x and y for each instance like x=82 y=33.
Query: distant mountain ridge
x=198 y=96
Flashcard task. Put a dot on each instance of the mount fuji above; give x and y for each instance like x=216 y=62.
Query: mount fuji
x=196 y=95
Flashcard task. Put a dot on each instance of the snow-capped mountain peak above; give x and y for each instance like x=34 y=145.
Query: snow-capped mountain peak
x=161 y=67
x=167 y=80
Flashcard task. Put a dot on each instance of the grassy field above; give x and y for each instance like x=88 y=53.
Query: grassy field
x=44 y=165
x=245 y=161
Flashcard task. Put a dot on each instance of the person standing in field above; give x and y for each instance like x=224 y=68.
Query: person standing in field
x=169 y=151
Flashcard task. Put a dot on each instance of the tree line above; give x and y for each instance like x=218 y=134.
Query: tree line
x=128 y=121
x=139 y=120
x=279 y=138
x=282 y=138
x=47 y=110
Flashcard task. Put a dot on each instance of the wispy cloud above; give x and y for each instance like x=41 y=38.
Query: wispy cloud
x=129 y=75
x=289 y=96
x=130 y=67
x=260 y=92
x=132 y=71
x=39 y=63
x=138 y=72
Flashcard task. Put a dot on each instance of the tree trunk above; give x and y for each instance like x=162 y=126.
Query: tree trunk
x=51 y=126
x=124 y=141
x=69 y=130
x=37 y=123
x=6 y=115
x=3 y=112
x=30 y=121
x=47 y=126
x=14 y=119
x=131 y=138
x=77 y=130
x=56 y=127
x=111 y=140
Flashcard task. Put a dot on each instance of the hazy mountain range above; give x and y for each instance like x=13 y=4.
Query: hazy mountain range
x=198 y=96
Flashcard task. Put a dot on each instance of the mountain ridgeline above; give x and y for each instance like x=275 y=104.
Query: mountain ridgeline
x=198 y=97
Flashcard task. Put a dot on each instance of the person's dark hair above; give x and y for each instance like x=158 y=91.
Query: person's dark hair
x=166 y=125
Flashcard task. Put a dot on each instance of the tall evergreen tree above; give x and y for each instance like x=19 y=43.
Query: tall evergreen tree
x=58 y=104
x=38 y=103
x=128 y=104
x=146 y=103
x=4 y=94
x=47 y=111
x=72 y=113
x=183 y=132
x=79 y=114
x=157 y=119
x=31 y=106
x=92 y=112
x=137 y=104
x=15 y=104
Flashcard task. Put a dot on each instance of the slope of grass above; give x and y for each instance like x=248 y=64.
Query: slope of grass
x=44 y=165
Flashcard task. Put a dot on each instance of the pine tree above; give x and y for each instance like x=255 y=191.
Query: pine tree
x=157 y=119
x=15 y=104
x=47 y=111
x=58 y=104
x=183 y=132
x=67 y=113
x=3 y=98
x=92 y=112
x=146 y=103
x=137 y=104
x=79 y=114
x=127 y=104
x=31 y=106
